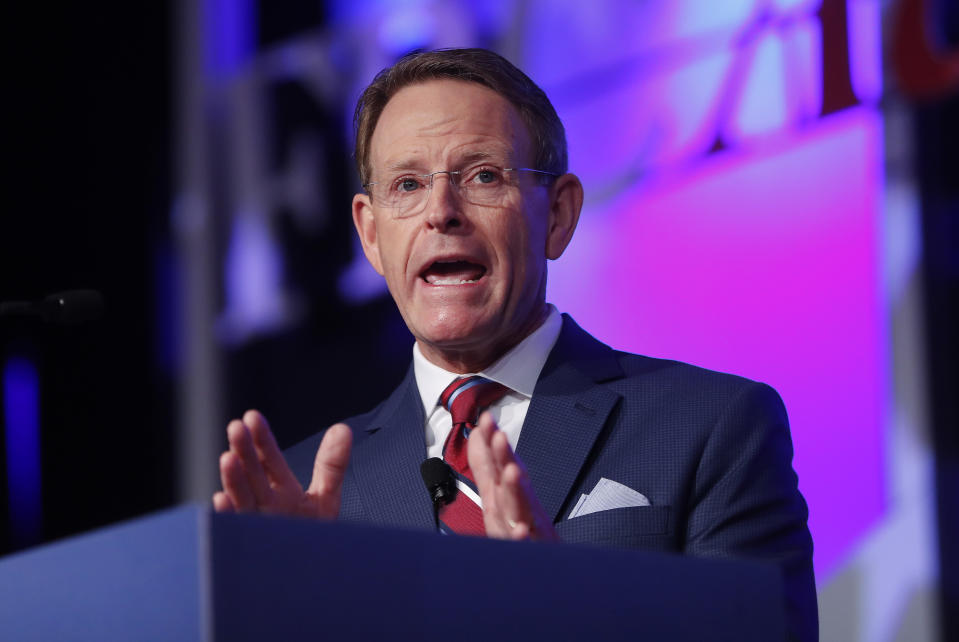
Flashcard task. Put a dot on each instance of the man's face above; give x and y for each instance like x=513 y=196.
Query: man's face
x=469 y=280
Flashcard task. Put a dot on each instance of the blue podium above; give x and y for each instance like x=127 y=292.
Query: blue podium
x=189 y=574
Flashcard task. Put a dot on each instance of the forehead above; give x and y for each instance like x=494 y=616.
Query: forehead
x=440 y=121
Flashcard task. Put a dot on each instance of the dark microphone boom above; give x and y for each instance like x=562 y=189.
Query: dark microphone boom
x=439 y=480
x=72 y=306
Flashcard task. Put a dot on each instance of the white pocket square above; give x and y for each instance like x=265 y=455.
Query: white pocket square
x=605 y=496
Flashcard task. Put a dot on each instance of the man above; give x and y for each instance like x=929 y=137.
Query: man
x=463 y=160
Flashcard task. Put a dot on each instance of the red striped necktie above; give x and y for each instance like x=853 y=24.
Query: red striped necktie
x=465 y=398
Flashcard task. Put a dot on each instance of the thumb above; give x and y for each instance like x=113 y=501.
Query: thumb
x=331 y=461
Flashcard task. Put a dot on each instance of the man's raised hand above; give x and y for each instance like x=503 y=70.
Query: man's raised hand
x=511 y=509
x=256 y=477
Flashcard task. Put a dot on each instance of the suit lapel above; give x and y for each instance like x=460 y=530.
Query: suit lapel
x=567 y=413
x=387 y=463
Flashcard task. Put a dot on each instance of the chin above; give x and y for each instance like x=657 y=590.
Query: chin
x=454 y=333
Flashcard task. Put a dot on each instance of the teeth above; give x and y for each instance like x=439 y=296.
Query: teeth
x=452 y=281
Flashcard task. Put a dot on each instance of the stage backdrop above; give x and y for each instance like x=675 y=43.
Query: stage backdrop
x=733 y=160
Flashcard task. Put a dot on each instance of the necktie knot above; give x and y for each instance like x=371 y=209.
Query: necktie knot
x=467 y=397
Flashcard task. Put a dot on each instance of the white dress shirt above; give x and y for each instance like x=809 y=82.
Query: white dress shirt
x=518 y=370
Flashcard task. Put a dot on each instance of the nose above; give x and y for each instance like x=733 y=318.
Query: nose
x=443 y=209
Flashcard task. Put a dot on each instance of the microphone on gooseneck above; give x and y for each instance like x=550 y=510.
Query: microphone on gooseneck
x=63 y=308
x=439 y=480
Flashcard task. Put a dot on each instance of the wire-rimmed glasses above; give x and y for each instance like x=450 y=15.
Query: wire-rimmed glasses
x=406 y=194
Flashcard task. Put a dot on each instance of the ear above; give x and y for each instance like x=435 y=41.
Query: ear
x=365 y=224
x=566 y=201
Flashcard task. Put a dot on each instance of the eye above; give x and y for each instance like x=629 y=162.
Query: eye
x=406 y=184
x=487 y=176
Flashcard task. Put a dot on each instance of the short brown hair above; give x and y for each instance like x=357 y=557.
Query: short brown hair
x=470 y=65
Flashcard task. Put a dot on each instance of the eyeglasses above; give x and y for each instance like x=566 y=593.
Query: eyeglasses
x=407 y=194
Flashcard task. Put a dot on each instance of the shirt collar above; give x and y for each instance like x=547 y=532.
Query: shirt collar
x=518 y=369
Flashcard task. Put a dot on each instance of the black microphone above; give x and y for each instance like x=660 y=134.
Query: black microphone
x=65 y=308
x=439 y=480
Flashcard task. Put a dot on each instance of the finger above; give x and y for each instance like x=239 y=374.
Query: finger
x=519 y=531
x=222 y=503
x=487 y=473
x=241 y=444
x=531 y=522
x=270 y=455
x=514 y=502
x=235 y=482
x=480 y=455
x=329 y=468
x=486 y=425
x=502 y=453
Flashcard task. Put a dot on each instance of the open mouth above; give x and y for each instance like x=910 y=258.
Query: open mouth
x=453 y=272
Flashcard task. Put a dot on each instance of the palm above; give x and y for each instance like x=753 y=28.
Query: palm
x=256 y=477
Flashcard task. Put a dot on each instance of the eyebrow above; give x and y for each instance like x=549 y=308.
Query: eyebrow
x=404 y=165
x=468 y=157
x=471 y=157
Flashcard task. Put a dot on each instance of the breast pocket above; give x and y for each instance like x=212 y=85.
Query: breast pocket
x=645 y=527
